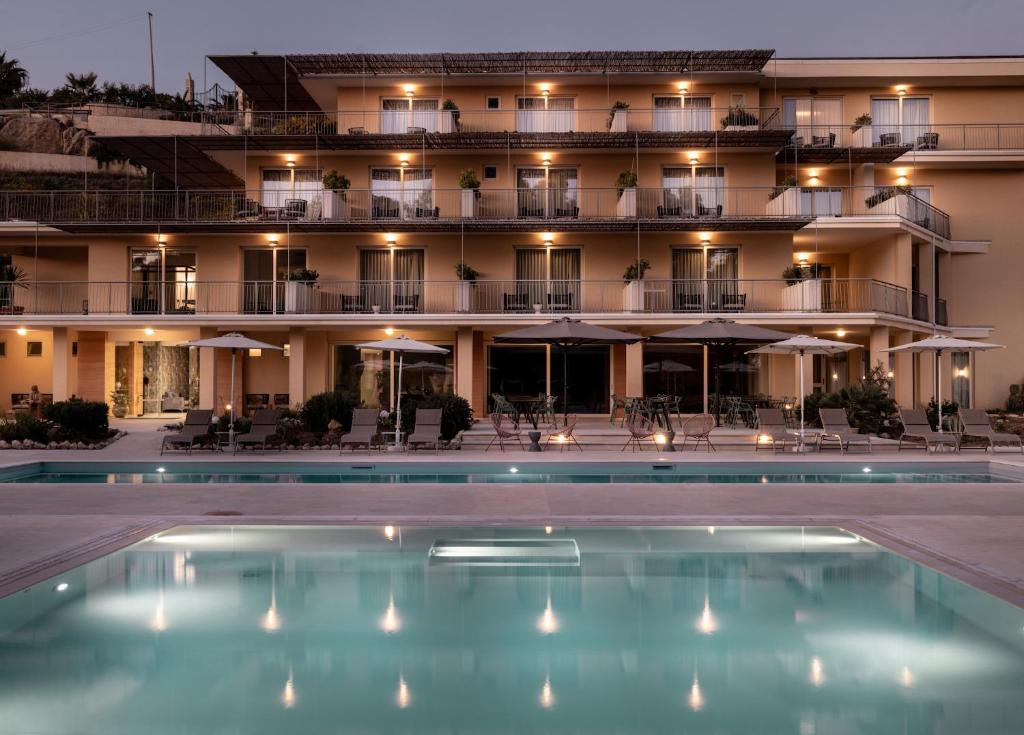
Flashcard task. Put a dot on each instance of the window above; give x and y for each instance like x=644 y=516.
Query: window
x=402 y=193
x=391 y=279
x=692 y=191
x=490 y=172
x=494 y=103
x=814 y=117
x=705 y=280
x=961 y=362
x=283 y=184
x=74 y=348
x=902 y=120
x=163 y=281
x=682 y=112
x=404 y=113
x=549 y=277
x=547 y=192
x=264 y=274
x=545 y=114
x=34 y=349
x=3 y=349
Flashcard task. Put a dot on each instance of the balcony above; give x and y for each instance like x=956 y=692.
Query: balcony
x=700 y=208
x=363 y=299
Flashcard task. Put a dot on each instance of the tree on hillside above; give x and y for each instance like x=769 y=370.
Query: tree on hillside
x=12 y=76
x=81 y=88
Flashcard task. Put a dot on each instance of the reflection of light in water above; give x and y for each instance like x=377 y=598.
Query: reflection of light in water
x=547 y=623
x=389 y=532
x=817 y=672
x=402 y=698
x=548 y=530
x=182 y=572
x=707 y=623
x=158 y=622
x=547 y=697
x=272 y=621
x=288 y=695
x=696 y=698
x=907 y=677
x=801 y=616
x=711 y=530
x=389 y=621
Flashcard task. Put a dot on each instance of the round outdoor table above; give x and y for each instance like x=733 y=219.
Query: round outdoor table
x=803 y=439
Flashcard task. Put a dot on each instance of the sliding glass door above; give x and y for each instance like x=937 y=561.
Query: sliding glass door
x=818 y=120
x=397 y=193
x=545 y=114
x=547 y=192
x=692 y=191
x=163 y=281
x=264 y=274
x=682 y=113
x=549 y=278
x=405 y=114
x=901 y=121
x=281 y=185
x=391 y=280
x=706 y=280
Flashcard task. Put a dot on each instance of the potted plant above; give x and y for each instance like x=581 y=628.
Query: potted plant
x=739 y=119
x=617 y=117
x=861 y=130
x=335 y=197
x=885 y=194
x=467 y=276
x=298 y=291
x=803 y=289
x=469 y=182
x=449 y=106
x=633 y=291
x=119 y=403
x=785 y=198
x=626 y=184
x=11 y=277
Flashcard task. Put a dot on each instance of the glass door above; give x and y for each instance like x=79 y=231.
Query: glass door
x=530 y=186
x=545 y=114
x=145 y=282
x=180 y=282
x=385 y=193
x=163 y=282
x=668 y=117
x=548 y=278
x=697 y=114
x=676 y=192
x=391 y=280
x=706 y=280
x=402 y=193
x=264 y=275
x=401 y=114
x=563 y=193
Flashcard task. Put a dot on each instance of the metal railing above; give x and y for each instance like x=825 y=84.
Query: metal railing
x=511 y=296
x=930 y=137
x=414 y=204
x=552 y=120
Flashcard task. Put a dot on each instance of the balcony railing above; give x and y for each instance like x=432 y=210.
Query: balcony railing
x=552 y=120
x=669 y=204
x=931 y=137
x=497 y=297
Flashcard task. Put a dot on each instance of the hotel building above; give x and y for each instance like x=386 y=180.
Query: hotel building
x=872 y=200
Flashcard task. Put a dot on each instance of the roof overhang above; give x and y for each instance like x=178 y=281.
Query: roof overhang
x=177 y=158
x=831 y=154
x=950 y=71
x=270 y=82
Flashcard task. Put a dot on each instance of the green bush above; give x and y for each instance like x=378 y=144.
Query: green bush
x=318 y=411
x=867 y=403
x=26 y=426
x=949 y=408
x=456 y=413
x=79 y=420
x=242 y=424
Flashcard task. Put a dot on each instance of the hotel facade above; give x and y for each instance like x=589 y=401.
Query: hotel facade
x=872 y=200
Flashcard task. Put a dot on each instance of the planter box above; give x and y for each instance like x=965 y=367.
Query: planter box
x=732 y=128
x=469 y=203
x=862 y=137
x=803 y=296
x=633 y=296
x=334 y=207
x=626 y=206
x=619 y=121
x=464 y=297
x=786 y=204
x=298 y=297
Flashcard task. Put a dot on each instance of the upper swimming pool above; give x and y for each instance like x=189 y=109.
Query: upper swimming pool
x=603 y=631
x=370 y=471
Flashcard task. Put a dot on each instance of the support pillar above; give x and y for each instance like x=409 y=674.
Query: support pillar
x=633 y=377
x=904 y=372
x=61 y=359
x=464 y=365
x=296 y=365
x=207 y=374
x=92 y=366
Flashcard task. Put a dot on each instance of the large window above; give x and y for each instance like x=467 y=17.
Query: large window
x=548 y=277
x=365 y=374
x=405 y=114
x=264 y=274
x=675 y=370
x=692 y=191
x=522 y=373
x=545 y=114
x=547 y=192
x=163 y=281
x=281 y=185
x=682 y=113
x=402 y=193
x=818 y=118
x=900 y=120
x=391 y=279
x=706 y=280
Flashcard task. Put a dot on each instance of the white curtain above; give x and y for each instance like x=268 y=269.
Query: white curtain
x=530 y=114
x=697 y=114
x=677 y=192
x=710 y=192
x=417 y=192
x=277 y=186
x=668 y=114
x=885 y=118
x=308 y=185
x=532 y=274
x=530 y=183
x=915 y=118
x=385 y=191
x=394 y=116
x=813 y=116
x=425 y=115
x=563 y=193
x=561 y=116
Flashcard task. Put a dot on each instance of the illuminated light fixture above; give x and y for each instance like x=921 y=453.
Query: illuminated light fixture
x=389 y=331
x=149 y=331
x=660 y=439
x=391 y=239
x=272 y=242
x=547 y=697
x=410 y=90
x=548 y=239
x=547 y=623
x=513 y=470
x=711 y=530
x=906 y=677
x=866 y=470
x=61 y=587
x=683 y=87
x=389 y=621
x=389 y=532
x=840 y=332
x=255 y=352
x=835 y=376
x=546 y=161
x=694 y=160
x=227 y=406
x=290 y=163
x=695 y=700
x=817 y=672
x=402 y=698
x=706 y=622
x=287 y=349
x=161 y=469
x=901 y=180
x=814 y=179
x=705 y=242
x=22 y=331
x=271 y=621
x=548 y=530
x=764 y=438
x=161 y=243
x=404 y=163
x=901 y=90
x=962 y=373
x=890 y=374
x=545 y=90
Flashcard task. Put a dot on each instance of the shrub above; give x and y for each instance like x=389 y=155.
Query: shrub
x=465 y=272
x=738 y=116
x=242 y=424
x=635 y=271
x=860 y=121
x=79 y=420
x=456 y=413
x=26 y=426
x=1015 y=401
x=318 y=411
x=468 y=179
x=333 y=181
x=626 y=180
x=867 y=403
x=949 y=408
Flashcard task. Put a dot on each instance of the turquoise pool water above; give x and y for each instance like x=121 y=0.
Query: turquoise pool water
x=686 y=471
x=214 y=629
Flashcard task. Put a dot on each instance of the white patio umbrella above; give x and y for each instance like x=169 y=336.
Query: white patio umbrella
x=401 y=345
x=233 y=341
x=803 y=345
x=938 y=345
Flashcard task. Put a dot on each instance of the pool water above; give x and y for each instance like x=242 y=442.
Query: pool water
x=815 y=472
x=215 y=629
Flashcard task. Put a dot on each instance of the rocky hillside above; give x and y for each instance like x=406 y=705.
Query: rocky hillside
x=37 y=134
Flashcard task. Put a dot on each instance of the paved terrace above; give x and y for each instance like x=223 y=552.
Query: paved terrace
x=972 y=532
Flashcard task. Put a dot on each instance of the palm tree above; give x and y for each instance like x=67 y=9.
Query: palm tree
x=12 y=76
x=82 y=87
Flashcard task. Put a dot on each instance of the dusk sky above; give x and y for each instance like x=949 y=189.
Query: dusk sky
x=109 y=36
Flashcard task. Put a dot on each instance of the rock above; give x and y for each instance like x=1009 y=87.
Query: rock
x=33 y=134
x=4 y=444
x=16 y=444
x=51 y=445
x=75 y=141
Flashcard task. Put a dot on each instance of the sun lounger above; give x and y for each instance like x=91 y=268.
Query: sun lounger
x=976 y=426
x=917 y=430
x=364 y=430
x=194 y=431
x=836 y=427
x=263 y=429
x=427 y=431
x=772 y=424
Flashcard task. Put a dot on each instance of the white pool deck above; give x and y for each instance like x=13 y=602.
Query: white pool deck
x=972 y=532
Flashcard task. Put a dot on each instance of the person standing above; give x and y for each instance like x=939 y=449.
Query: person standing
x=35 y=398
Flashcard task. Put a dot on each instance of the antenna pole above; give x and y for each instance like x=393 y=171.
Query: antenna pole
x=152 y=62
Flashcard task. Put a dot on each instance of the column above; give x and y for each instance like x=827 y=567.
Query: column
x=904 y=372
x=61 y=360
x=464 y=363
x=92 y=358
x=207 y=373
x=296 y=365
x=878 y=342
x=634 y=369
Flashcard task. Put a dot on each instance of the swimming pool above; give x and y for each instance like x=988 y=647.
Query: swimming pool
x=217 y=629
x=369 y=471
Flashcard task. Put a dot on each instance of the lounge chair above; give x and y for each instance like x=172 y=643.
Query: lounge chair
x=772 y=424
x=640 y=430
x=502 y=433
x=976 y=425
x=364 y=430
x=564 y=437
x=262 y=430
x=194 y=430
x=836 y=427
x=427 y=431
x=917 y=430
x=698 y=428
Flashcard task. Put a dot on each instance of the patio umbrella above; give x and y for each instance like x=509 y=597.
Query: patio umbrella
x=718 y=333
x=938 y=345
x=233 y=341
x=670 y=367
x=402 y=345
x=803 y=345
x=567 y=333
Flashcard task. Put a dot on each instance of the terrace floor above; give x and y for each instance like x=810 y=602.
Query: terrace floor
x=972 y=532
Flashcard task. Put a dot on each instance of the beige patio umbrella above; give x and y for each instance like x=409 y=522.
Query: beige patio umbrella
x=804 y=345
x=938 y=345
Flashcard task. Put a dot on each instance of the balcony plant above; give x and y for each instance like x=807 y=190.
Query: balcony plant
x=469 y=182
x=11 y=277
x=335 y=204
x=467 y=276
x=860 y=121
x=794 y=274
x=739 y=119
x=787 y=183
x=885 y=193
x=626 y=185
x=465 y=272
x=617 y=117
x=861 y=130
x=119 y=403
x=449 y=106
x=633 y=291
x=298 y=291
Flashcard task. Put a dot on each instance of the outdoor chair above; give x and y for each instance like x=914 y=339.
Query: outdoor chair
x=888 y=140
x=976 y=426
x=564 y=437
x=689 y=301
x=427 y=213
x=546 y=411
x=567 y=212
x=927 y=142
x=194 y=430
x=358 y=130
x=712 y=211
x=698 y=428
x=664 y=212
x=504 y=407
x=823 y=141
x=617 y=402
x=248 y=209
x=294 y=208
x=917 y=430
x=364 y=430
x=772 y=424
x=640 y=430
x=503 y=433
x=836 y=427
x=262 y=430
x=515 y=302
x=427 y=431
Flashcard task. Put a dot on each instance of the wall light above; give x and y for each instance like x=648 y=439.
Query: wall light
x=705 y=242
x=149 y=331
x=683 y=88
x=901 y=90
x=546 y=161
x=272 y=242
x=391 y=239
x=901 y=180
x=890 y=375
x=545 y=89
x=287 y=349
x=410 y=90
x=22 y=331
x=290 y=163
x=548 y=242
x=962 y=373
x=161 y=243
x=840 y=332
x=389 y=331
x=404 y=163
x=255 y=352
x=694 y=160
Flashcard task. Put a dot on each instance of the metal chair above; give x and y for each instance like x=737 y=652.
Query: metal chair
x=640 y=430
x=503 y=434
x=698 y=428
